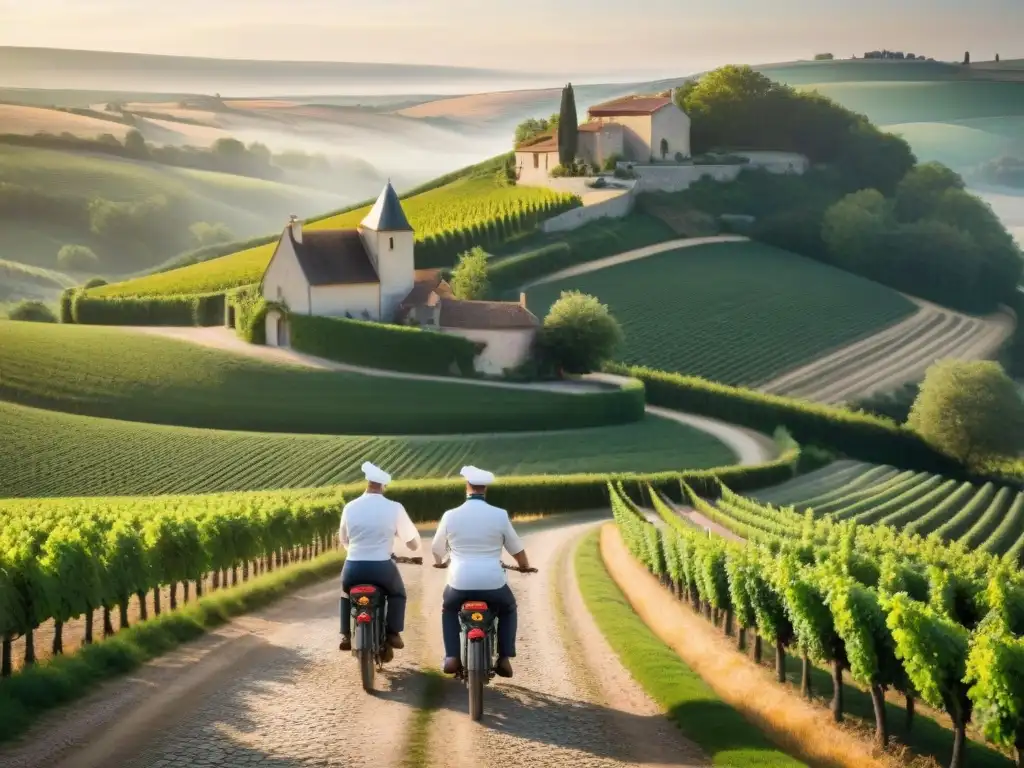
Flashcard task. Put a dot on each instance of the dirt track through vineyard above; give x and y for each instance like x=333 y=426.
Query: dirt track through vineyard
x=272 y=689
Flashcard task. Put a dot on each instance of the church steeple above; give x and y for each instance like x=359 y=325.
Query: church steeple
x=387 y=214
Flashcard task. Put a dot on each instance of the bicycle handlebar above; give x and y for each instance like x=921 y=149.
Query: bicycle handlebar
x=409 y=560
x=507 y=567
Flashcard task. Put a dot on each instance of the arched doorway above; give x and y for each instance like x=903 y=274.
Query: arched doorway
x=282 y=331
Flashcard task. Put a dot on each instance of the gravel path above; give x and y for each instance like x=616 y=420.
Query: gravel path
x=570 y=703
x=634 y=255
x=271 y=689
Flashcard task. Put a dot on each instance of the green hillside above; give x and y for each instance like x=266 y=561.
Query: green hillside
x=987 y=517
x=961 y=116
x=70 y=180
x=121 y=374
x=462 y=203
x=740 y=313
x=45 y=453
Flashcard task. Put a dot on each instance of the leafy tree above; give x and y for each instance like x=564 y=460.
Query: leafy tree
x=124 y=562
x=919 y=191
x=773 y=621
x=204 y=234
x=135 y=144
x=850 y=227
x=568 y=135
x=32 y=312
x=469 y=278
x=77 y=258
x=579 y=333
x=823 y=57
x=969 y=410
x=967 y=58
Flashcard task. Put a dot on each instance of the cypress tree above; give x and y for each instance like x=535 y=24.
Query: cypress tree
x=567 y=128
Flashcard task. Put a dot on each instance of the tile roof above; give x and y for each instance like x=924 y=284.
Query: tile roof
x=598 y=127
x=333 y=257
x=387 y=214
x=486 y=315
x=543 y=143
x=428 y=289
x=630 y=105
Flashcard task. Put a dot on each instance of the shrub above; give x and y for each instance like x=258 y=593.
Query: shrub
x=469 y=278
x=33 y=312
x=94 y=282
x=680 y=157
x=77 y=258
x=612 y=161
x=970 y=411
x=377 y=345
x=579 y=334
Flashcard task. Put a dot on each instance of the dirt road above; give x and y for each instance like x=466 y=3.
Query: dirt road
x=273 y=690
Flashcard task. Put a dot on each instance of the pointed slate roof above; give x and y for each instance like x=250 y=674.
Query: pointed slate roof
x=387 y=214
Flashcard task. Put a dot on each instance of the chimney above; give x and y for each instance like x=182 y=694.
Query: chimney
x=522 y=300
x=296 y=227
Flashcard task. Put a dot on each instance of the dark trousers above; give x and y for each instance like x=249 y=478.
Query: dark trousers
x=380 y=573
x=501 y=601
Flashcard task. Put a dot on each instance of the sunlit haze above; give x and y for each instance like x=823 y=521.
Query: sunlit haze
x=593 y=38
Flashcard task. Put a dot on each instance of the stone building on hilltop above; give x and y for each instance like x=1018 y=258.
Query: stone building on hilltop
x=369 y=273
x=638 y=129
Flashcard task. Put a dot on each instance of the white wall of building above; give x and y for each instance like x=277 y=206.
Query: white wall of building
x=533 y=167
x=392 y=255
x=507 y=348
x=284 y=280
x=673 y=125
x=336 y=300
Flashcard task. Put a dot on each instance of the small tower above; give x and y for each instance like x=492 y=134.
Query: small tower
x=389 y=242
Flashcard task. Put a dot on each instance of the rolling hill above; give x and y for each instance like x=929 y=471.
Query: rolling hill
x=736 y=312
x=70 y=180
x=115 y=373
x=46 y=453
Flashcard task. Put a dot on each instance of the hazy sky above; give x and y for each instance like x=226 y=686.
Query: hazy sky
x=668 y=37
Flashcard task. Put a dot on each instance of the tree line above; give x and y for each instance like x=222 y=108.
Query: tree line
x=865 y=205
x=225 y=155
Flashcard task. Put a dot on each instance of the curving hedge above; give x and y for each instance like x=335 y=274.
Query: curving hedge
x=394 y=347
x=855 y=434
x=199 y=309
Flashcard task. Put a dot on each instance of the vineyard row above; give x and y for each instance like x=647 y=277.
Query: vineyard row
x=931 y=621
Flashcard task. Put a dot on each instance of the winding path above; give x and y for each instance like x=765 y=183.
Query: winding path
x=271 y=689
x=750 y=447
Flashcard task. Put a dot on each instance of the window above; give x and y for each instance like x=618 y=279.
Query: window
x=536 y=160
x=391 y=243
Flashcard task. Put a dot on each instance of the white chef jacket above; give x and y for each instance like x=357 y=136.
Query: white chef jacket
x=369 y=525
x=475 y=533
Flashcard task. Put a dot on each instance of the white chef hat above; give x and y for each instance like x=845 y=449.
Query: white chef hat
x=375 y=474
x=475 y=476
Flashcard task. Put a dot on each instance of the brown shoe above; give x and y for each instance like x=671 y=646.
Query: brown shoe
x=452 y=666
x=387 y=654
x=395 y=641
x=504 y=667
x=345 y=644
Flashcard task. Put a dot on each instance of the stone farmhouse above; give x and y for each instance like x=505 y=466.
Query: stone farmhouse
x=369 y=273
x=639 y=129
